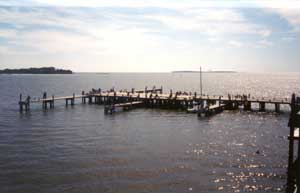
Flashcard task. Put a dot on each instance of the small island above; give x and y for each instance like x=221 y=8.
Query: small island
x=43 y=70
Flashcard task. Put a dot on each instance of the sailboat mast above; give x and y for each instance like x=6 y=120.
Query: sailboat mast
x=200 y=81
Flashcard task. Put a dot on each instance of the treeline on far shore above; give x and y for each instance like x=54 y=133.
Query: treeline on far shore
x=43 y=70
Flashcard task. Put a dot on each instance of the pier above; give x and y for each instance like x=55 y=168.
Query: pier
x=155 y=98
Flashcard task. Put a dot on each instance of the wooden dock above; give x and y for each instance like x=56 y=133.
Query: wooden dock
x=155 y=98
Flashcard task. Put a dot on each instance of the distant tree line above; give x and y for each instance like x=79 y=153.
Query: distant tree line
x=43 y=70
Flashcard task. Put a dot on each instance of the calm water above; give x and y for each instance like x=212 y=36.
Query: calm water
x=80 y=149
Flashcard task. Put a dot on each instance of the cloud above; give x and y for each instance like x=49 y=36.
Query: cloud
x=56 y=42
x=7 y=33
x=265 y=32
x=288 y=10
x=291 y=15
x=122 y=37
x=264 y=43
x=69 y=31
x=157 y=3
x=235 y=43
x=211 y=21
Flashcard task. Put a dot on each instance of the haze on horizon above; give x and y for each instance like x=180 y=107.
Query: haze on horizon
x=150 y=36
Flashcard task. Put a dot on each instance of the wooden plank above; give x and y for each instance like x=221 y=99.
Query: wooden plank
x=212 y=107
x=128 y=104
x=57 y=98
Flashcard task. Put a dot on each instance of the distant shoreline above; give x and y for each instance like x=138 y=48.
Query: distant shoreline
x=191 y=71
x=44 y=70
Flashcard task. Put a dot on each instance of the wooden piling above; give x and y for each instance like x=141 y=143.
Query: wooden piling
x=20 y=103
x=277 y=107
x=247 y=106
x=73 y=100
x=44 y=100
x=83 y=99
x=262 y=106
x=290 y=179
x=52 y=102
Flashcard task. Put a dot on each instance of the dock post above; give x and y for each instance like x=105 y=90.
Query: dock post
x=90 y=99
x=262 y=106
x=290 y=178
x=21 y=107
x=161 y=89
x=247 y=106
x=101 y=98
x=21 y=103
x=27 y=104
x=52 y=102
x=115 y=97
x=73 y=100
x=236 y=105
x=277 y=107
x=26 y=107
x=83 y=97
x=45 y=102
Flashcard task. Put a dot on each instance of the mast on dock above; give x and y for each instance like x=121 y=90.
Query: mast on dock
x=200 y=81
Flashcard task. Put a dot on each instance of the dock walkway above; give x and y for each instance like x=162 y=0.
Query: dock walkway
x=155 y=98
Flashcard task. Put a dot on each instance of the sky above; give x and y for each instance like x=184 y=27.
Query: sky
x=151 y=36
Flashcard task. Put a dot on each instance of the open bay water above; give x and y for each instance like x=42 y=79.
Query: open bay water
x=79 y=149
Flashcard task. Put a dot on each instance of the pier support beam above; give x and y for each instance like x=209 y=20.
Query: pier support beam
x=21 y=107
x=231 y=105
x=73 y=100
x=247 y=106
x=277 y=107
x=90 y=99
x=52 y=102
x=44 y=100
x=24 y=104
x=262 y=107
x=291 y=177
x=235 y=105
x=20 y=103
x=83 y=99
